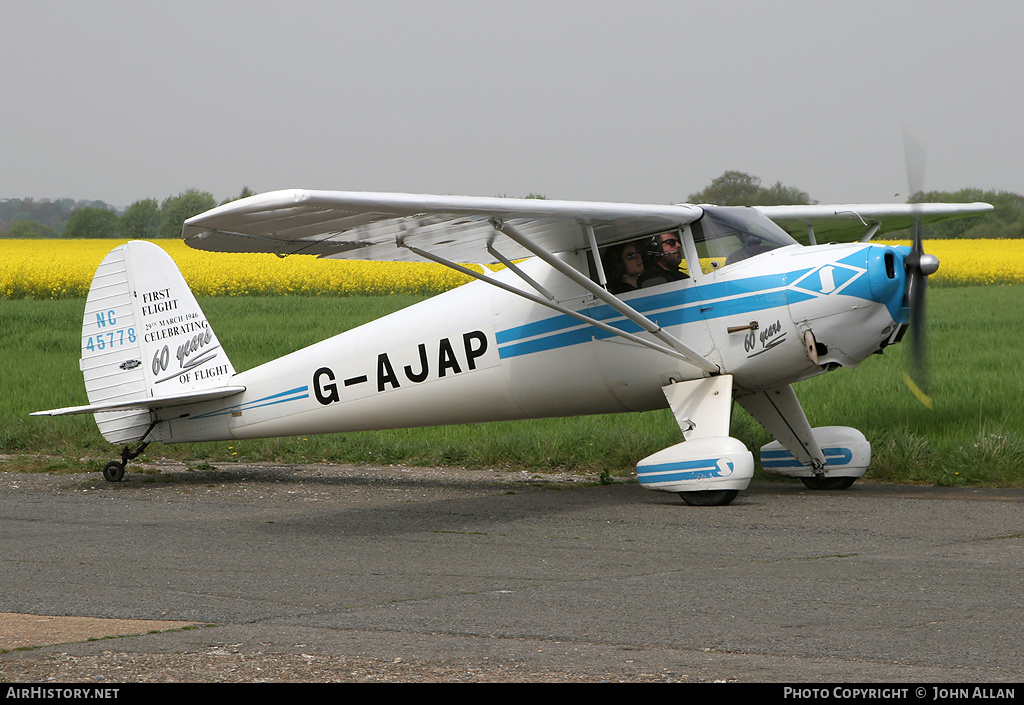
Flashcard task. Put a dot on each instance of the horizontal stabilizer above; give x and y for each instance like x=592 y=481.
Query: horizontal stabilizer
x=146 y=403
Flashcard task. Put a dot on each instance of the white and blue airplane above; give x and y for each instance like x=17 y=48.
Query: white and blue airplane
x=730 y=306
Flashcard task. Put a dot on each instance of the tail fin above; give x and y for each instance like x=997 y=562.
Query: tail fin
x=144 y=339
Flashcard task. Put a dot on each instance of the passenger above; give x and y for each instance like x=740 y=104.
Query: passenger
x=623 y=266
x=664 y=255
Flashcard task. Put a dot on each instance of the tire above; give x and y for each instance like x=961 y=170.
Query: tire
x=113 y=471
x=709 y=498
x=828 y=483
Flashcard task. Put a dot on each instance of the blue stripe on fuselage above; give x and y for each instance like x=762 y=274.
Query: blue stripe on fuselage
x=680 y=306
x=667 y=308
x=279 y=398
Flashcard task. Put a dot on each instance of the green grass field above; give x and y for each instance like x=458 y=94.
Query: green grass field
x=973 y=436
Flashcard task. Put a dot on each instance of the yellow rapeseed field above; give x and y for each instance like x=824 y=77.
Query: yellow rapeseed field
x=51 y=269
x=969 y=262
x=48 y=269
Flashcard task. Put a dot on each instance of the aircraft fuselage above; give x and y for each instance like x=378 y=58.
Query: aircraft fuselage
x=478 y=353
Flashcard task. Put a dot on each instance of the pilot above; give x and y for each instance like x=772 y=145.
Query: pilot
x=623 y=266
x=664 y=254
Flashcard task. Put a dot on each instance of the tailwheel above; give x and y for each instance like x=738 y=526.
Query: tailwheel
x=828 y=483
x=709 y=498
x=113 y=471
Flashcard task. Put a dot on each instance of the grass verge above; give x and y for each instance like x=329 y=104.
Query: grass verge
x=972 y=437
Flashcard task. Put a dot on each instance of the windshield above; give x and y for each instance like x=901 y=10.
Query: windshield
x=726 y=235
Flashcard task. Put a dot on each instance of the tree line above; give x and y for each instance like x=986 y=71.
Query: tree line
x=736 y=188
x=147 y=219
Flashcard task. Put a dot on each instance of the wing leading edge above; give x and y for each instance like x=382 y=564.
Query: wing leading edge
x=370 y=226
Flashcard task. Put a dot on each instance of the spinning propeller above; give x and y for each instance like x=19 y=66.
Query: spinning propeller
x=919 y=266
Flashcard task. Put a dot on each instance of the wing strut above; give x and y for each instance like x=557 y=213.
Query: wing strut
x=549 y=304
x=870 y=232
x=520 y=273
x=596 y=251
x=684 y=352
x=872 y=226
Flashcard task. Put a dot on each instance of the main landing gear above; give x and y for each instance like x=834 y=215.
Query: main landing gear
x=709 y=498
x=828 y=483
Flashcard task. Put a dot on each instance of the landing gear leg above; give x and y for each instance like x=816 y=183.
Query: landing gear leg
x=114 y=470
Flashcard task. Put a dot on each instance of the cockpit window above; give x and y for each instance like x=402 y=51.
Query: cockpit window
x=645 y=262
x=726 y=235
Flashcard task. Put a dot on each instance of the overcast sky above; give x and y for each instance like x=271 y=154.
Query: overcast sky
x=641 y=101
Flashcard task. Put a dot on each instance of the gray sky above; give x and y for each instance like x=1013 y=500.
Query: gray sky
x=645 y=101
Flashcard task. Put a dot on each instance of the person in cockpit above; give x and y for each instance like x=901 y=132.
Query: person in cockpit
x=663 y=257
x=623 y=266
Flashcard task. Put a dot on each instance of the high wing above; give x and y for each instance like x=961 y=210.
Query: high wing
x=849 y=222
x=448 y=230
x=370 y=226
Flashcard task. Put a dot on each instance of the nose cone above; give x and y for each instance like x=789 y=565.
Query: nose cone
x=929 y=264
